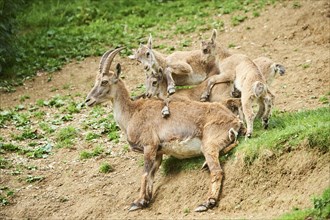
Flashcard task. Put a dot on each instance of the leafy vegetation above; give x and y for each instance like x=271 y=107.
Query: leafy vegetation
x=5 y=195
x=89 y=154
x=52 y=34
x=320 y=210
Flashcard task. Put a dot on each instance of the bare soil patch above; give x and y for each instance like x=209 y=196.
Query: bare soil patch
x=298 y=38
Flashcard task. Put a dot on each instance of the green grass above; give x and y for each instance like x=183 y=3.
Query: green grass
x=105 y=168
x=94 y=153
x=52 y=33
x=65 y=137
x=286 y=131
x=320 y=209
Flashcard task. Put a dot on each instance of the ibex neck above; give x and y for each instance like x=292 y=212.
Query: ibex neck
x=123 y=106
x=223 y=53
x=160 y=58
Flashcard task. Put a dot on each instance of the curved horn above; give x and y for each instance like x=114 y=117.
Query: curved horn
x=108 y=61
x=104 y=57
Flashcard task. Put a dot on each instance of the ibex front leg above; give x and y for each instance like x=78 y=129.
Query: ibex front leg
x=211 y=81
x=182 y=69
x=152 y=161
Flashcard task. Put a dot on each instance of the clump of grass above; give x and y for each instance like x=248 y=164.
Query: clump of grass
x=23 y=98
x=5 y=195
x=94 y=153
x=32 y=179
x=91 y=136
x=236 y=20
x=65 y=137
x=106 y=168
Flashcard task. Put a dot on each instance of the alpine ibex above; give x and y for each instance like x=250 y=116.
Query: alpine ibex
x=182 y=67
x=156 y=86
x=247 y=78
x=193 y=129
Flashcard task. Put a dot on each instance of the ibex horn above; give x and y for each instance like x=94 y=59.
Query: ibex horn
x=108 y=61
x=104 y=57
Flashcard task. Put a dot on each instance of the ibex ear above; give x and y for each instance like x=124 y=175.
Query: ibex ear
x=117 y=71
x=149 y=44
x=214 y=36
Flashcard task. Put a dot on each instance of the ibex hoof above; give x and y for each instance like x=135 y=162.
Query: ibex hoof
x=206 y=206
x=265 y=123
x=248 y=135
x=201 y=208
x=204 y=98
x=165 y=112
x=205 y=166
x=171 y=90
x=138 y=205
x=134 y=207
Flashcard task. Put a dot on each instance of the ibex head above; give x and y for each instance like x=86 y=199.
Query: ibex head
x=102 y=90
x=144 y=54
x=154 y=82
x=209 y=47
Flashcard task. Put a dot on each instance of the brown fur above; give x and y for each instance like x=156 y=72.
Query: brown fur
x=181 y=67
x=210 y=125
x=247 y=78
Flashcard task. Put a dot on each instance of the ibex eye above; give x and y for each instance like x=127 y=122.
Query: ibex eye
x=154 y=83
x=104 y=82
x=148 y=54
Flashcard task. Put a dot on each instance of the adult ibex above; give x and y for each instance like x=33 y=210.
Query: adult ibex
x=193 y=129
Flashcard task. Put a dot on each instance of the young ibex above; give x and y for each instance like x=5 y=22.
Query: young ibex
x=182 y=67
x=247 y=78
x=156 y=86
x=193 y=129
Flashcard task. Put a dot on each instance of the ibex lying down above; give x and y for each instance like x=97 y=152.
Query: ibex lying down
x=193 y=129
x=156 y=85
x=181 y=67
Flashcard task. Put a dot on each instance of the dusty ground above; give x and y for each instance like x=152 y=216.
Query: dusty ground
x=298 y=38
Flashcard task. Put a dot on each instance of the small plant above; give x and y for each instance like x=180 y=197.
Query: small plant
x=236 y=20
x=186 y=211
x=66 y=136
x=105 y=168
x=231 y=45
x=256 y=14
x=91 y=136
x=324 y=100
x=296 y=5
x=305 y=65
x=32 y=179
x=94 y=153
x=4 y=163
x=47 y=127
x=23 y=98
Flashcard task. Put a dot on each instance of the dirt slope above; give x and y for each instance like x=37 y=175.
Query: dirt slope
x=296 y=37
